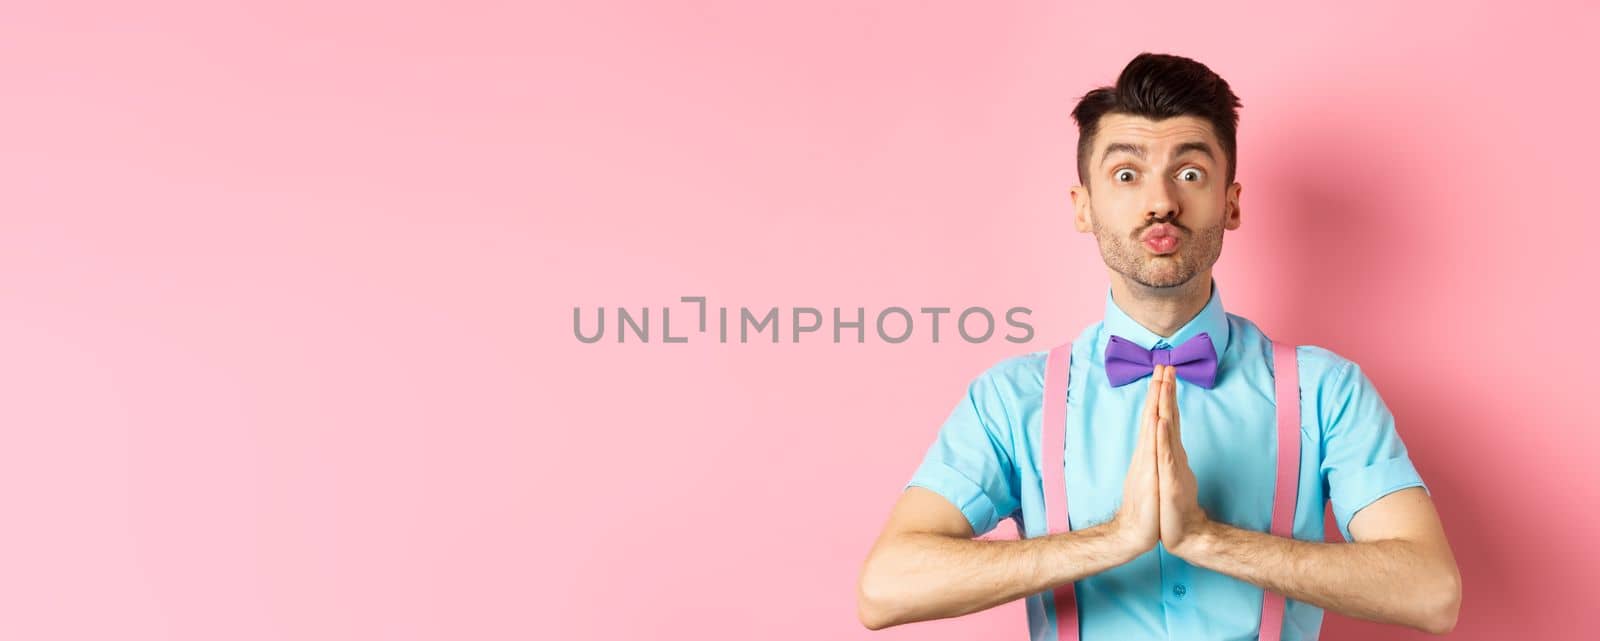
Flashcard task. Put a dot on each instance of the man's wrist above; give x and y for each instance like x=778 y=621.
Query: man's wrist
x=1199 y=543
x=1126 y=549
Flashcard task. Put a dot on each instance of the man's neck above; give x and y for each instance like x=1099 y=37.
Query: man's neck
x=1163 y=310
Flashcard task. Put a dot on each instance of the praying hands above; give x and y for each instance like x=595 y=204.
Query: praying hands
x=1160 y=501
x=1398 y=569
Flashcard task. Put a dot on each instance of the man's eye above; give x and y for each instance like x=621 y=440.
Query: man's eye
x=1123 y=175
x=1190 y=175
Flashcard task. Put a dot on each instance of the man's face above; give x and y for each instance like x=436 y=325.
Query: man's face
x=1156 y=198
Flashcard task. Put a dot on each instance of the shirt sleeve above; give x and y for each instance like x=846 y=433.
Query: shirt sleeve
x=1364 y=458
x=969 y=462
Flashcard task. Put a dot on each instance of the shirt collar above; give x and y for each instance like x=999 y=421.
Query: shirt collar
x=1211 y=320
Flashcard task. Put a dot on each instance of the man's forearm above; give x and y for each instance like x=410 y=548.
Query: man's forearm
x=922 y=576
x=1389 y=581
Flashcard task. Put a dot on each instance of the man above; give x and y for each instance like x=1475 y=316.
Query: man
x=1172 y=479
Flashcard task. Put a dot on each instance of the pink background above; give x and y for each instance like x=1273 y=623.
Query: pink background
x=286 y=294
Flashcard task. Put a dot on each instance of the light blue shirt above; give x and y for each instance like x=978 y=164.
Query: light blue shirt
x=986 y=459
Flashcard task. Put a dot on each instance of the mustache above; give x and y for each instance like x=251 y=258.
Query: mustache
x=1170 y=220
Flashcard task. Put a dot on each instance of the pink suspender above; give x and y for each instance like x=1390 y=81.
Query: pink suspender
x=1286 y=373
x=1057 y=373
x=1057 y=369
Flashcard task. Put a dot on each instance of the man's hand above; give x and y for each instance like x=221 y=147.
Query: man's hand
x=1138 y=520
x=1181 y=515
x=1399 y=569
x=926 y=565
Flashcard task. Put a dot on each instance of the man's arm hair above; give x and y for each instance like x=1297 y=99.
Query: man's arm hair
x=1399 y=569
x=926 y=565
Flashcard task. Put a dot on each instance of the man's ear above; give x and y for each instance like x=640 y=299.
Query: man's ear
x=1232 y=220
x=1082 y=213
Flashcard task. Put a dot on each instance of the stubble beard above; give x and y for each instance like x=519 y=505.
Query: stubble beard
x=1128 y=257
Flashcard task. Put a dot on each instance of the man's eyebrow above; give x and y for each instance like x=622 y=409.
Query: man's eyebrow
x=1195 y=146
x=1124 y=147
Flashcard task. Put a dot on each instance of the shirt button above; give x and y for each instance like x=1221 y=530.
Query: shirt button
x=1178 y=590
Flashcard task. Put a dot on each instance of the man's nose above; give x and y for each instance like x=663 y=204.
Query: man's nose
x=1161 y=203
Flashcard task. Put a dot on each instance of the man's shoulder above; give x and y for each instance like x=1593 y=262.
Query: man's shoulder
x=1022 y=375
x=1316 y=362
x=1321 y=359
x=1018 y=373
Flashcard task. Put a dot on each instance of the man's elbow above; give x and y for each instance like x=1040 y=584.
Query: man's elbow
x=1444 y=604
x=872 y=617
x=873 y=607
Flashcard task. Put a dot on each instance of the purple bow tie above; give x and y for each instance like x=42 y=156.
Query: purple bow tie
x=1195 y=360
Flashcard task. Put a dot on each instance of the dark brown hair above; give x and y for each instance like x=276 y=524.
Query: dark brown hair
x=1160 y=86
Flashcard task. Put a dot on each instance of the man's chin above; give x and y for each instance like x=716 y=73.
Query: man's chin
x=1164 y=280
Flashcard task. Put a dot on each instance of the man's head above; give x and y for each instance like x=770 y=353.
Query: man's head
x=1156 y=159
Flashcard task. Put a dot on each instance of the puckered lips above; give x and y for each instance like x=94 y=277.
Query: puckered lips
x=1161 y=239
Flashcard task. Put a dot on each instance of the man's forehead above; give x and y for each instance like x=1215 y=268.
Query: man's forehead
x=1142 y=131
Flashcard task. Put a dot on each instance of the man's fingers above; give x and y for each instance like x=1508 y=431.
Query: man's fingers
x=1147 y=419
x=1165 y=475
x=1167 y=393
x=1174 y=420
x=1148 y=414
x=1144 y=448
x=1163 y=441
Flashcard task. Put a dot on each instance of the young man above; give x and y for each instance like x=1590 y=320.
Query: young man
x=1174 y=514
